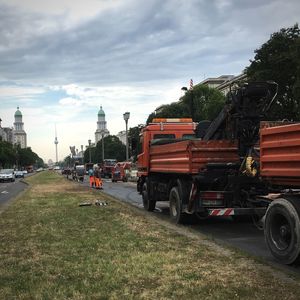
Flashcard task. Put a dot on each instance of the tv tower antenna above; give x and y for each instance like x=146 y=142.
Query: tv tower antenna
x=56 y=142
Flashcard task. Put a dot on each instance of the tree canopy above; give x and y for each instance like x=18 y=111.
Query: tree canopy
x=200 y=103
x=15 y=156
x=279 y=60
x=113 y=148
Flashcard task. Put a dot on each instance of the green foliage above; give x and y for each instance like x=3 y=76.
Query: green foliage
x=207 y=102
x=279 y=60
x=15 y=156
x=113 y=148
x=7 y=155
x=27 y=157
x=200 y=103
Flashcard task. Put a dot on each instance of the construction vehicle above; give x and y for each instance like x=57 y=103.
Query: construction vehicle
x=120 y=171
x=78 y=172
x=238 y=165
x=107 y=166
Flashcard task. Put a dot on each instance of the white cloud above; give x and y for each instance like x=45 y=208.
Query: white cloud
x=69 y=12
x=70 y=102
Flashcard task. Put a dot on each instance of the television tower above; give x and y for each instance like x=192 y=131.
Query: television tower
x=56 y=142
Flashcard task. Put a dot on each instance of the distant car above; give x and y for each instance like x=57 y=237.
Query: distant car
x=25 y=172
x=19 y=174
x=56 y=168
x=66 y=171
x=40 y=170
x=7 y=175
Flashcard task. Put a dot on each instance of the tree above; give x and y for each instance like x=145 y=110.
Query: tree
x=15 y=156
x=206 y=102
x=86 y=156
x=113 y=148
x=27 y=157
x=200 y=103
x=7 y=155
x=279 y=60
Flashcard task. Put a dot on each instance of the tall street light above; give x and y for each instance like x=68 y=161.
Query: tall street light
x=126 y=118
x=82 y=154
x=102 y=140
x=90 y=154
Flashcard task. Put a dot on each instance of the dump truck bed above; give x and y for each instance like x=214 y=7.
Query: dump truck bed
x=190 y=156
x=280 y=154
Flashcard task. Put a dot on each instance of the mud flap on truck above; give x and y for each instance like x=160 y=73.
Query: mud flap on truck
x=282 y=229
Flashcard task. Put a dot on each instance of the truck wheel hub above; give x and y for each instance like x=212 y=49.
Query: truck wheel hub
x=284 y=231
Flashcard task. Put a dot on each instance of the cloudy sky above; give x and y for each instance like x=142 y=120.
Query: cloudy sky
x=61 y=59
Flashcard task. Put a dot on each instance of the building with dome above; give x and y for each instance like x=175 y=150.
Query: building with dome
x=101 y=126
x=19 y=135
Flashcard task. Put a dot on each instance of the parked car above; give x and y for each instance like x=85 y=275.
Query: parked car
x=7 y=175
x=25 y=172
x=19 y=174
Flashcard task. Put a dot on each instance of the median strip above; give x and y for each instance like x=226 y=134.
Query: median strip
x=52 y=248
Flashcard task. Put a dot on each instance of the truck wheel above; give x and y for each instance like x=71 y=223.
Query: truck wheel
x=176 y=207
x=282 y=230
x=148 y=204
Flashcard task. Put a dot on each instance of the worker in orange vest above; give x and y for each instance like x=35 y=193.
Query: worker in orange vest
x=91 y=174
x=98 y=180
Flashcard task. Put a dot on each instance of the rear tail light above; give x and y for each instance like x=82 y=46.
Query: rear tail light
x=212 y=198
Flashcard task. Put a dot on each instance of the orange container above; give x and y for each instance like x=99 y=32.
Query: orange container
x=280 y=154
x=190 y=156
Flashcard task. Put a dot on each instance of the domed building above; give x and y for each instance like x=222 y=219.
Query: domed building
x=19 y=135
x=101 y=126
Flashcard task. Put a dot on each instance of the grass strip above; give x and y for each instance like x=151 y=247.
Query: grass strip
x=51 y=248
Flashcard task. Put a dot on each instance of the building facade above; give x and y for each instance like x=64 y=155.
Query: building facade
x=214 y=82
x=6 y=133
x=122 y=136
x=19 y=135
x=224 y=82
x=101 y=126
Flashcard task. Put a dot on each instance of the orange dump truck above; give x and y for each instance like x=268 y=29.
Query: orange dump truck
x=235 y=166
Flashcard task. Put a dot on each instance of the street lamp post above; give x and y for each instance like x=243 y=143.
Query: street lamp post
x=90 y=154
x=126 y=118
x=82 y=154
x=102 y=140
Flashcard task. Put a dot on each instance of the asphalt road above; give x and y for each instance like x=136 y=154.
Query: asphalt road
x=9 y=190
x=240 y=235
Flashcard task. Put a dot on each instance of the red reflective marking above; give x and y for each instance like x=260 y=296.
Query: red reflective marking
x=228 y=211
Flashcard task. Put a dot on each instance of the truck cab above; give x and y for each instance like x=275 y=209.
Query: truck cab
x=158 y=130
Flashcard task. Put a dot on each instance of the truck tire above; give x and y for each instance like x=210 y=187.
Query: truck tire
x=282 y=230
x=148 y=204
x=176 y=213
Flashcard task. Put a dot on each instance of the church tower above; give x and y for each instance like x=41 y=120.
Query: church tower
x=19 y=135
x=101 y=126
